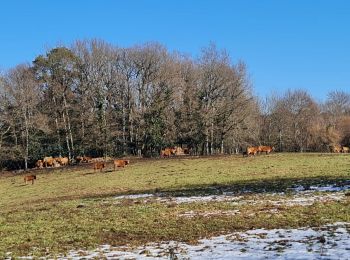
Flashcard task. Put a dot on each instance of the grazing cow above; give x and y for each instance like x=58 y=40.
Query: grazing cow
x=39 y=164
x=79 y=159
x=252 y=150
x=99 y=166
x=178 y=150
x=345 y=149
x=120 y=163
x=266 y=149
x=97 y=159
x=336 y=148
x=166 y=152
x=49 y=161
x=64 y=161
x=29 y=178
x=87 y=159
x=56 y=164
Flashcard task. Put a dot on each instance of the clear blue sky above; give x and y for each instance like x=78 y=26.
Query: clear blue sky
x=285 y=44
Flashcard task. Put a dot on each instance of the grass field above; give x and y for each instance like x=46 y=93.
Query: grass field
x=73 y=207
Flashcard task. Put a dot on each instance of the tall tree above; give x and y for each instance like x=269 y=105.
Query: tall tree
x=22 y=99
x=57 y=71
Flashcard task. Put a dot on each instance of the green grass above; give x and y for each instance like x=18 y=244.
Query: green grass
x=44 y=218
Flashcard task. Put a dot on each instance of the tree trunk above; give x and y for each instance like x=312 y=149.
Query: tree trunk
x=57 y=129
x=207 y=142
x=83 y=133
x=67 y=136
x=68 y=124
x=222 y=144
x=280 y=139
x=105 y=133
x=27 y=140
x=124 y=130
x=212 y=139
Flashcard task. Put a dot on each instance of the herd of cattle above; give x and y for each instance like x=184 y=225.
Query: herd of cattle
x=167 y=152
x=253 y=150
x=63 y=161
x=52 y=162
x=100 y=163
x=177 y=150
x=268 y=149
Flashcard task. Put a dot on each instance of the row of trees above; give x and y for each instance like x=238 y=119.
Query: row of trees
x=295 y=122
x=97 y=99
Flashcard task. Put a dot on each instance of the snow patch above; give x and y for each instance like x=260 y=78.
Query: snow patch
x=191 y=214
x=327 y=242
x=306 y=196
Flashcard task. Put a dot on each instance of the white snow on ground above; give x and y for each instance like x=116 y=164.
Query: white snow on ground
x=330 y=188
x=179 y=200
x=327 y=242
x=191 y=214
x=304 y=199
x=298 y=196
x=135 y=196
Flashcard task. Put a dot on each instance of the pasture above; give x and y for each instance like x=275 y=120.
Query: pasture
x=76 y=208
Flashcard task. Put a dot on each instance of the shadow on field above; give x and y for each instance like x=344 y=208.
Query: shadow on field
x=253 y=187
x=88 y=173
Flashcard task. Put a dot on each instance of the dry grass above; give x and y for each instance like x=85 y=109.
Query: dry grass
x=73 y=208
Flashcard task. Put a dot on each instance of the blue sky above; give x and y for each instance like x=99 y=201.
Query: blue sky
x=286 y=44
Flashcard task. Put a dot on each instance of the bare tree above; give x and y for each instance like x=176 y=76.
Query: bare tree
x=337 y=115
x=22 y=98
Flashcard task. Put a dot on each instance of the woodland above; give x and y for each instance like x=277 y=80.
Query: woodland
x=93 y=98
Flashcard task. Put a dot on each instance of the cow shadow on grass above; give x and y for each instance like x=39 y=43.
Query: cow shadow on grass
x=98 y=172
x=88 y=173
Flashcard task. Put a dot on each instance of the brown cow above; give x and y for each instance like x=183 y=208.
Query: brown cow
x=79 y=159
x=345 y=149
x=266 y=149
x=99 y=166
x=120 y=163
x=29 y=178
x=252 y=150
x=165 y=153
x=87 y=159
x=64 y=161
x=178 y=150
x=336 y=148
x=56 y=164
x=169 y=151
x=39 y=164
x=49 y=161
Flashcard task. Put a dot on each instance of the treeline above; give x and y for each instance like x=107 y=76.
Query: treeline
x=97 y=99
